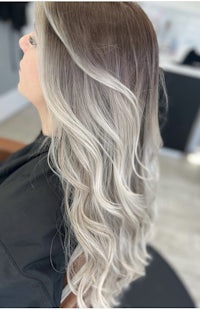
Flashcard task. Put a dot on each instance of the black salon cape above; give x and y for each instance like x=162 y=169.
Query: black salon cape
x=31 y=254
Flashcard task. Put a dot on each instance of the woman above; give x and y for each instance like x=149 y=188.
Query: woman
x=91 y=70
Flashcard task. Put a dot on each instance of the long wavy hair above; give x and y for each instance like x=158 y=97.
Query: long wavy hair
x=99 y=73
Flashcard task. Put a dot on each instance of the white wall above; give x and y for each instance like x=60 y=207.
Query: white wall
x=177 y=24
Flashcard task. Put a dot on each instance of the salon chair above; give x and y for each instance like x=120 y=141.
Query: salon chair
x=159 y=288
x=7 y=147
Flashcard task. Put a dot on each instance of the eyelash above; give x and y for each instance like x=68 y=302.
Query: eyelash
x=32 y=41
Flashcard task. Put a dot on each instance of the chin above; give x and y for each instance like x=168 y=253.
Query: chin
x=21 y=91
x=19 y=88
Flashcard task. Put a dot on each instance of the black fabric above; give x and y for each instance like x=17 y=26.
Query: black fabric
x=31 y=254
x=192 y=59
x=160 y=288
x=183 y=106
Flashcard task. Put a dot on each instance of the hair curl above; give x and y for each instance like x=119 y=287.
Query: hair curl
x=100 y=78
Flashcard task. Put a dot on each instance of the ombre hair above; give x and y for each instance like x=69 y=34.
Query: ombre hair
x=99 y=73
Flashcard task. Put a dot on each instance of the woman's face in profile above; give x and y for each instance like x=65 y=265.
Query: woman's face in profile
x=29 y=84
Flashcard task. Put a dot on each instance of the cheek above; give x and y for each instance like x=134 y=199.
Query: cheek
x=29 y=84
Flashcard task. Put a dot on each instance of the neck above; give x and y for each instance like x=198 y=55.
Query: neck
x=45 y=121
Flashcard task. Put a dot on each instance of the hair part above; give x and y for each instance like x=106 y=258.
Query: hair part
x=100 y=79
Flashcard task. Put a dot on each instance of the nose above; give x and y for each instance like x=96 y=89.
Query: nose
x=24 y=43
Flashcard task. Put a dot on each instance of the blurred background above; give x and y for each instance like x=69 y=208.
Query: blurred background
x=177 y=227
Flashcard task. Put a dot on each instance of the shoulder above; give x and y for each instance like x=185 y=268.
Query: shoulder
x=31 y=222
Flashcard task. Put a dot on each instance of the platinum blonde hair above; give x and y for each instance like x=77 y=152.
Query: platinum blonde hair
x=100 y=79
